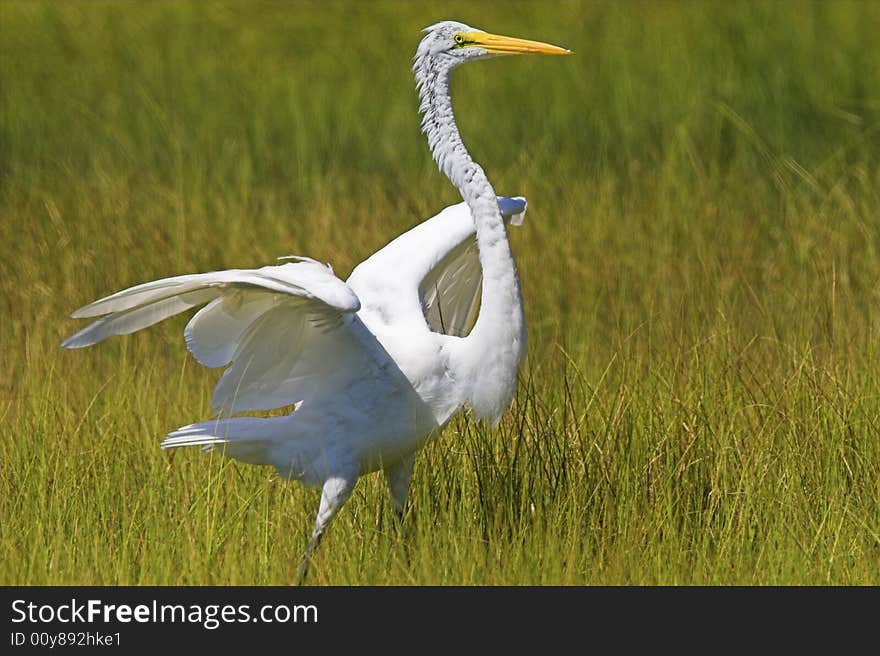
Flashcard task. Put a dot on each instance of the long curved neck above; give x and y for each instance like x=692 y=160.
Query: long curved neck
x=499 y=333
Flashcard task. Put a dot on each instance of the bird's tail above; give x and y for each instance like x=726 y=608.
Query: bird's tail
x=248 y=439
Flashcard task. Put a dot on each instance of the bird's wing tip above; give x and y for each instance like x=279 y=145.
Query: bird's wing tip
x=514 y=208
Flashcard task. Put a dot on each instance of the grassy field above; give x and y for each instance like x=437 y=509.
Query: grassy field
x=700 y=262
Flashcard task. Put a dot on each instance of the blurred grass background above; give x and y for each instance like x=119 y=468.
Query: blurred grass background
x=700 y=267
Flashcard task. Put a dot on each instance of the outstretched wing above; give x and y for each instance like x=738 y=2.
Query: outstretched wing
x=451 y=291
x=283 y=329
x=439 y=260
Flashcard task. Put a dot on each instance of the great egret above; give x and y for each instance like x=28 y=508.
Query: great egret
x=377 y=365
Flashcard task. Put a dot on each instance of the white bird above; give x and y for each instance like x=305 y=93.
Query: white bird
x=374 y=366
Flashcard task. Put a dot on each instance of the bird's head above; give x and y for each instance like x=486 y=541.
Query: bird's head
x=459 y=43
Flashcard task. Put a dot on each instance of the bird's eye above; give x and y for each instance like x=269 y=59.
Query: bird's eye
x=458 y=38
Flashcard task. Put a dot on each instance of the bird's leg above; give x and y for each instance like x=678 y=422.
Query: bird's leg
x=398 y=476
x=336 y=491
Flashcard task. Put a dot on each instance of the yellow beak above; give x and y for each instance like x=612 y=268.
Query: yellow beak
x=508 y=45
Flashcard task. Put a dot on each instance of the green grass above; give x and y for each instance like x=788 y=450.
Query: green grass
x=700 y=262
